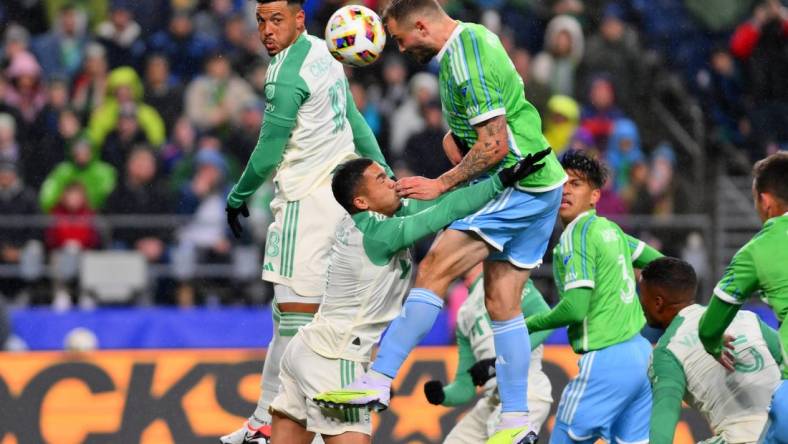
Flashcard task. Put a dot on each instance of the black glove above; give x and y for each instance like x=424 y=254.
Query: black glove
x=482 y=371
x=523 y=168
x=232 y=218
x=433 y=390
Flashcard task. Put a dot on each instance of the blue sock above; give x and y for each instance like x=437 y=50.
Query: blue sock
x=513 y=353
x=407 y=330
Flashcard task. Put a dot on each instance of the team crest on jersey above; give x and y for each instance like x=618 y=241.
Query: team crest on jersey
x=269 y=91
x=609 y=235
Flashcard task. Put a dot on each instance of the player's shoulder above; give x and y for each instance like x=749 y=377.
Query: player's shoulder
x=285 y=66
x=478 y=35
x=586 y=226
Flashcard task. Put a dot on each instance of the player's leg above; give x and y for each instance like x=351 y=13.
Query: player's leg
x=348 y=438
x=776 y=430
x=453 y=253
x=503 y=285
x=632 y=425
x=288 y=431
x=472 y=428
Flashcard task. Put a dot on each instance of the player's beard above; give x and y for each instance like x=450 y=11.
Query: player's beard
x=421 y=54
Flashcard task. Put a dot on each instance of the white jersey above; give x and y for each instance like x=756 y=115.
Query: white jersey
x=474 y=323
x=304 y=82
x=734 y=403
x=360 y=300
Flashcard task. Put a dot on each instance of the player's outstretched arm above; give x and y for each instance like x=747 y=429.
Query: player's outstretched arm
x=668 y=386
x=642 y=253
x=490 y=149
x=532 y=305
x=462 y=390
x=572 y=309
x=363 y=137
x=715 y=320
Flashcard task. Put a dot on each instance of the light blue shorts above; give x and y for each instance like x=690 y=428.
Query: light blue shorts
x=776 y=430
x=610 y=398
x=517 y=224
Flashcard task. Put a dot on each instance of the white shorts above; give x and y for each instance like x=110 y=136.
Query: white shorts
x=303 y=374
x=299 y=240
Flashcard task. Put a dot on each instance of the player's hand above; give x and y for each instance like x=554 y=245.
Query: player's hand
x=482 y=371
x=522 y=169
x=726 y=358
x=232 y=218
x=420 y=188
x=433 y=390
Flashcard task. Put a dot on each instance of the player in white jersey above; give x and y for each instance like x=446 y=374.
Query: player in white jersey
x=310 y=126
x=476 y=367
x=368 y=276
x=735 y=404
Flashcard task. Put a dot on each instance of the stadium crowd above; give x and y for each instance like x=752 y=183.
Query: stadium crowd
x=152 y=107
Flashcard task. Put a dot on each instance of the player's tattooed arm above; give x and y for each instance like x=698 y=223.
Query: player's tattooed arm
x=490 y=148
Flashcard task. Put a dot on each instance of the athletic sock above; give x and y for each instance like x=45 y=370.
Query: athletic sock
x=406 y=331
x=513 y=357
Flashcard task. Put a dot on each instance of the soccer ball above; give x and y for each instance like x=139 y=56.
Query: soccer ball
x=355 y=36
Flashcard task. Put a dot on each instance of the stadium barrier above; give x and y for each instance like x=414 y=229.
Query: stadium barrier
x=194 y=396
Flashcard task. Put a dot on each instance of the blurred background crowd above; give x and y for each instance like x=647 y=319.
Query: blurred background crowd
x=123 y=124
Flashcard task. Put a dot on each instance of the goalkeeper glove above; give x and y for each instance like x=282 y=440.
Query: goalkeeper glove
x=433 y=390
x=232 y=218
x=523 y=168
x=482 y=371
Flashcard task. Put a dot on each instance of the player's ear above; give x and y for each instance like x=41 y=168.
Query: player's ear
x=361 y=203
x=420 y=26
x=300 y=18
x=596 y=194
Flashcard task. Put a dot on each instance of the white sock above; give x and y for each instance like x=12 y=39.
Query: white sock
x=270 y=378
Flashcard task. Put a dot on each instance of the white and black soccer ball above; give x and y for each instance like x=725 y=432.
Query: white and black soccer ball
x=355 y=35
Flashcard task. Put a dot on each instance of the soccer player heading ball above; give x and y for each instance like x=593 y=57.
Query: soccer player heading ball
x=484 y=104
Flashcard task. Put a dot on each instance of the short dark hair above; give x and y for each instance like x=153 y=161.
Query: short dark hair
x=345 y=182
x=289 y=2
x=771 y=175
x=589 y=168
x=674 y=275
x=402 y=9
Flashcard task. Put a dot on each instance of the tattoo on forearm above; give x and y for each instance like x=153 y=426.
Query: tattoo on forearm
x=488 y=150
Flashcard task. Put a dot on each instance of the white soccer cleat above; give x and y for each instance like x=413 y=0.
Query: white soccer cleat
x=248 y=435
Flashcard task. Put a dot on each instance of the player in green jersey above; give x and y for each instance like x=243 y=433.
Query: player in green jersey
x=734 y=403
x=310 y=126
x=761 y=264
x=592 y=266
x=483 y=102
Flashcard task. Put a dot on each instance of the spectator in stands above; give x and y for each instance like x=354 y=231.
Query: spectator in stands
x=125 y=88
x=615 y=50
x=40 y=158
x=561 y=121
x=15 y=40
x=662 y=185
x=186 y=167
x=121 y=35
x=15 y=199
x=635 y=192
x=8 y=109
x=124 y=138
x=10 y=151
x=162 y=92
x=57 y=101
x=97 y=177
x=762 y=44
x=536 y=93
x=243 y=137
x=601 y=111
x=212 y=19
x=140 y=192
x=423 y=156
x=91 y=11
x=90 y=84
x=235 y=44
x=26 y=89
x=582 y=140
x=214 y=100
x=407 y=119
x=182 y=144
x=368 y=109
x=722 y=92
x=29 y=15
x=556 y=65
x=623 y=152
x=395 y=85
x=60 y=50
x=185 y=49
x=74 y=220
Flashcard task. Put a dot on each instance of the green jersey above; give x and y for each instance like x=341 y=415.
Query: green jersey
x=594 y=253
x=761 y=264
x=478 y=82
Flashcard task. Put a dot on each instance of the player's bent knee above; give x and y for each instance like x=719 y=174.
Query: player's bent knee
x=348 y=438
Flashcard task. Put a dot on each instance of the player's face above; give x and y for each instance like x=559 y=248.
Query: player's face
x=650 y=304
x=411 y=38
x=279 y=25
x=578 y=196
x=376 y=192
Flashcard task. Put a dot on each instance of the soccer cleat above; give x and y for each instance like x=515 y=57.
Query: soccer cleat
x=520 y=435
x=366 y=391
x=248 y=435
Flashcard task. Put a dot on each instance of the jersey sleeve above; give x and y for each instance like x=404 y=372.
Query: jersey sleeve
x=717 y=317
x=386 y=236
x=668 y=384
x=364 y=140
x=642 y=253
x=740 y=278
x=479 y=85
x=283 y=99
x=772 y=339
x=580 y=265
x=533 y=304
x=572 y=309
x=461 y=390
